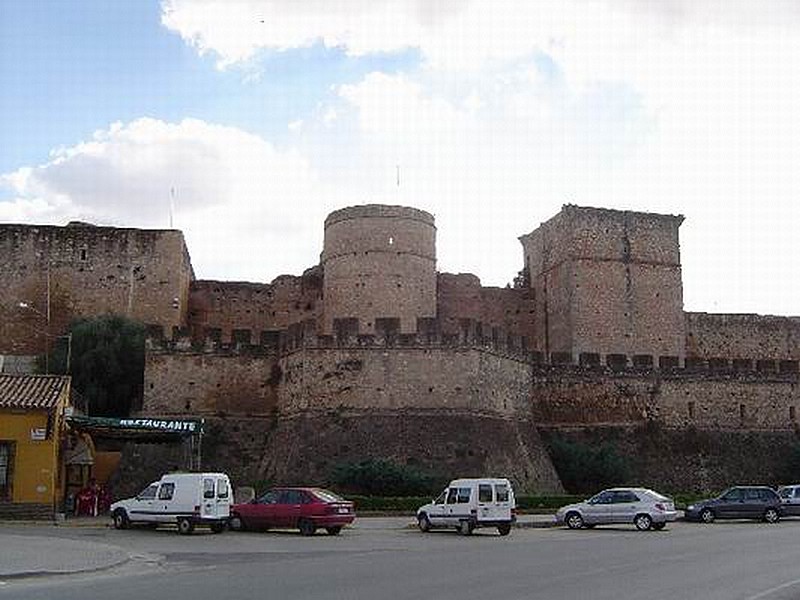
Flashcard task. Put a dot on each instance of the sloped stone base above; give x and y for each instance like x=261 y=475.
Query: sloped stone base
x=306 y=448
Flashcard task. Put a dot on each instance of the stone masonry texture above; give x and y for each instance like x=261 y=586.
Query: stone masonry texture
x=373 y=353
x=88 y=270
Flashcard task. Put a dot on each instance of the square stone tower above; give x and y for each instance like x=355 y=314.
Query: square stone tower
x=84 y=270
x=608 y=282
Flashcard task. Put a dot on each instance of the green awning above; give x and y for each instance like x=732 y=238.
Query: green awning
x=137 y=428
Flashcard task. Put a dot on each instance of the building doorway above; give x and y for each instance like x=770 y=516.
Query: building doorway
x=6 y=468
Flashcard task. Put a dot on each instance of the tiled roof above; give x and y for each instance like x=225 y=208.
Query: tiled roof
x=40 y=392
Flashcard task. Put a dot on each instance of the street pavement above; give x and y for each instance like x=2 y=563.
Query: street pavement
x=388 y=558
x=30 y=555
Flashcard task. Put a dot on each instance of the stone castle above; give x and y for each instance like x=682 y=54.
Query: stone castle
x=372 y=352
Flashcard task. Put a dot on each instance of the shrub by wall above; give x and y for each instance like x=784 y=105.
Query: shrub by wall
x=381 y=477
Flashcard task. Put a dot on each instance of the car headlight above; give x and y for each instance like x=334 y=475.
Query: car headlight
x=690 y=507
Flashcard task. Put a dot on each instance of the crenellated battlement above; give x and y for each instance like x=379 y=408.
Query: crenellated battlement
x=674 y=365
x=347 y=332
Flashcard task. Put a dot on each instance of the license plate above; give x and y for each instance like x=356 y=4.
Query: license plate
x=344 y=510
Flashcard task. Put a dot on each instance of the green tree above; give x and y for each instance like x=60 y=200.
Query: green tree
x=106 y=363
x=583 y=468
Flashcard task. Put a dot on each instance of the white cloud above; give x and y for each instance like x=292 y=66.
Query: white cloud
x=681 y=106
x=722 y=152
x=236 y=29
x=248 y=210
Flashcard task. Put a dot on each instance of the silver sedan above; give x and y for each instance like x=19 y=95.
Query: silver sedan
x=641 y=507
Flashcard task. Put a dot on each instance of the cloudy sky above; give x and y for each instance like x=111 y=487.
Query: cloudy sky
x=255 y=118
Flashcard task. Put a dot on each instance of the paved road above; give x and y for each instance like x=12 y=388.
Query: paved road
x=746 y=561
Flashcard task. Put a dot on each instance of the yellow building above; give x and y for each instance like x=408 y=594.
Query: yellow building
x=32 y=411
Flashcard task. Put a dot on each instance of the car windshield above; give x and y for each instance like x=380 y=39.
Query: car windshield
x=148 y=492
x=327 y=496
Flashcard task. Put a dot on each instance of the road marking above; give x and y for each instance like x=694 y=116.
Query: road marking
x=777 y=588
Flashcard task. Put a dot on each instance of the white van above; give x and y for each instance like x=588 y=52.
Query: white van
x=187 y=499
x=470 y=503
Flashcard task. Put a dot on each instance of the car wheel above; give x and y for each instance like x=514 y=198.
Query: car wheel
x=465 y=527
x=334 y=530
x=423 y=523
x=185 y=526
x=218 y=527
x=504 y=528
x=236 y=523
x=771 y=515
x=707 y=515
x=643 y=522
x=121 y=520
x=306 y=527
x=574 y=520
x=659 y=526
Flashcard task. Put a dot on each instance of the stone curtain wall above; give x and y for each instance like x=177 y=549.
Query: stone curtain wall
x=144 y=274
x=194 y=383
x=454 y=409
x=564 y=397
x=462 y=296
x=742 y=336
x=468 y=379
x=218 y=307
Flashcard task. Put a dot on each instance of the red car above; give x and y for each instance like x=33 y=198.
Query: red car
x=305 y=509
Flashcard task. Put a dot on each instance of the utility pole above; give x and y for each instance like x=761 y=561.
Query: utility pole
x=69 y=353
x=47 y=330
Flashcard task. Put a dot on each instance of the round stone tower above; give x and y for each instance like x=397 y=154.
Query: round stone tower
x=379 y=262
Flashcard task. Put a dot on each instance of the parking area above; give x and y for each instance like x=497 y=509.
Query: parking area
x=380 y=558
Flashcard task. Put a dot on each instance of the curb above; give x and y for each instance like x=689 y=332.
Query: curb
x=104 y=523
x=44 y=573
x=542 y=524
x=49 y=557
x=536 y=524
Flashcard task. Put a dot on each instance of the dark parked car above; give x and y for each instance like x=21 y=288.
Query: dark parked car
x=790 y=499
x=306 y=509
x=741 y=502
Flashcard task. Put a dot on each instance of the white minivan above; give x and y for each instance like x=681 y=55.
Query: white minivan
x=467 y=504
x=185 y=499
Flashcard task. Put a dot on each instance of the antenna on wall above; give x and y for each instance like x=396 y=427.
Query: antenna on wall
x=171 y=205
x=397 y=180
